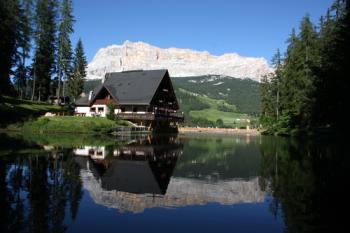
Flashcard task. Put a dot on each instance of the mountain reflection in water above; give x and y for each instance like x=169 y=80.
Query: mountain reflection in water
x=137 y=176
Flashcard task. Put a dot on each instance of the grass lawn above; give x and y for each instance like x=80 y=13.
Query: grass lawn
x=69 y=124
x=15 y=111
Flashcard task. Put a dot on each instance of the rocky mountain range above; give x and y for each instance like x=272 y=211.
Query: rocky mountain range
x=179 y=62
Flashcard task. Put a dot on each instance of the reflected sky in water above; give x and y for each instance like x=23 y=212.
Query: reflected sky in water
x=162 y=184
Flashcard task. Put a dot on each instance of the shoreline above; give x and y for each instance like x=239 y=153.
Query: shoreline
x=181 y=130
x=231 y=131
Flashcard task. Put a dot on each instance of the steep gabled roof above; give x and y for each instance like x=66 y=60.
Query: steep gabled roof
x=129 y=87
x=134 y=87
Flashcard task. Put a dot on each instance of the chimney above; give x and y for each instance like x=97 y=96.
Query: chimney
x=90 y=95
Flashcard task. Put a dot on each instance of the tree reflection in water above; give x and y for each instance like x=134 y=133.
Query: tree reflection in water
x=308 y=183
x=37 y=188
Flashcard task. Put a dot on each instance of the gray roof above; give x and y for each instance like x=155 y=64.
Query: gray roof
x=130 y=87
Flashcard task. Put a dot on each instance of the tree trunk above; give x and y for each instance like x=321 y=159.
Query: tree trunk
x=33 y=89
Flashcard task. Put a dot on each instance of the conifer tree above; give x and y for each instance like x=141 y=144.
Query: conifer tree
x=24 y=45
x=64 y=43
x=9 y=28
x=267 y=102
x=288 y=82
x=276 y=82
x=76 y=80
x=44 y=58
x=308 y=52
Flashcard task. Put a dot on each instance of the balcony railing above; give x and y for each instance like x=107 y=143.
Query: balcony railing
x=150 y=116
x=136 y=116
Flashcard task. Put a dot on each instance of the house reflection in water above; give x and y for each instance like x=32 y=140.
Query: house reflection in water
x=138 y=176
x=142 y=167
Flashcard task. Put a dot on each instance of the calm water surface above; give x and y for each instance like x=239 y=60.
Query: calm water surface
x=62 y=183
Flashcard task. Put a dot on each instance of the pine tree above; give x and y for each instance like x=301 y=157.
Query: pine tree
x=323 y=103
x=44 y=58
x=76 y=81
x=276 y=82
x=288 y=86
x=301 y=61
x=310 y=61
x=24 y=45
x=9 y=27
x=64 y=42
x=267 y=100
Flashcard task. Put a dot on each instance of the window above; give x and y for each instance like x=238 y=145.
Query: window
x=101 y=109
x=92 y=109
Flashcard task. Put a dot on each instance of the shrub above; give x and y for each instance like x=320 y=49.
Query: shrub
x=110 y=115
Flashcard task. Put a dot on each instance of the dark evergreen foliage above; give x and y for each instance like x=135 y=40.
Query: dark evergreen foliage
x=9 y=33
x=45 y=47
x=76 y=80
x=65 y=28
x=313 y=77
x=24 y=38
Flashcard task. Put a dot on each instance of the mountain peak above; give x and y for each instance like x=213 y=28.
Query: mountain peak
x=180 y=62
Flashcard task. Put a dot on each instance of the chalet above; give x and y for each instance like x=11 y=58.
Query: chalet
x=144 y=97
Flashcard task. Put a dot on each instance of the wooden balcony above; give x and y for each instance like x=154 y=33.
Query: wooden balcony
x=148 y=116
x=151 y=116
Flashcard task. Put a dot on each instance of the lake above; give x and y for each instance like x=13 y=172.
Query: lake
x=171 y=183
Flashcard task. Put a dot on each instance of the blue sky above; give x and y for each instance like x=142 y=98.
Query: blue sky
x=248 y=27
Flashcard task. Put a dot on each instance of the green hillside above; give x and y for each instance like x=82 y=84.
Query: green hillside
x=201 y=110
x=243 y=93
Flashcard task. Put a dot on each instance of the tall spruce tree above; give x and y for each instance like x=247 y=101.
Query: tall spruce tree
x=288 y=86
x=9 y=29
x=24 y=45
x=64 y=43
x=267 y=100
x=276 y=83
x=45 y=38
x=308 y=50
x=76 y=80
x=299 y=75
